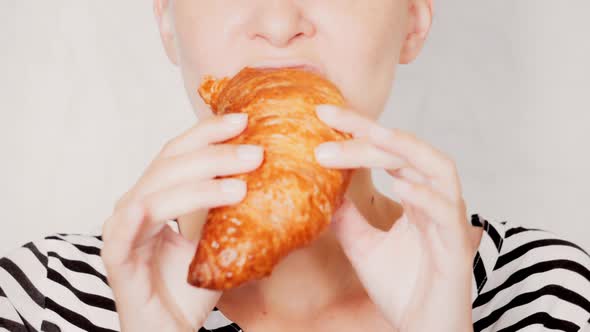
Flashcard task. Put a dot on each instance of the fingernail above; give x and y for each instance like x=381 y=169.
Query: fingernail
x=235 y=118
x=249 y=152
x=326 y=151
x=233 y=186
x=326 y=111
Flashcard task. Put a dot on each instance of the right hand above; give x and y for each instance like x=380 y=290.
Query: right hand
x=146 y=261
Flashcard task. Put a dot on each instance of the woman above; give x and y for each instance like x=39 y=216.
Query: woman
x=415 y=265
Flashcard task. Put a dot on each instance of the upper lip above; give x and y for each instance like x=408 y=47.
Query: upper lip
x=288 y=63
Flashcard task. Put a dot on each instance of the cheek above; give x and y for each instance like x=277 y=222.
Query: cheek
x=198 y=49
x=194 y=63
x=366 y=49
x=202 y=47
x=204 y=29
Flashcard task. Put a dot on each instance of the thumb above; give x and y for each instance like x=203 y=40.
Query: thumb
x=192 y=303
x=357 y=237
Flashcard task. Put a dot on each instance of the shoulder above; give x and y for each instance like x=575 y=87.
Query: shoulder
x=58 y=280
x=542 y=249
x=73 y=252
x=536 y=277
x=59 y=283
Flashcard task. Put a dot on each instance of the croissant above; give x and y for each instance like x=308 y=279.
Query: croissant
x=290 y=198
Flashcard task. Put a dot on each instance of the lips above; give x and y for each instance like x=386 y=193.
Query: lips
x=289 y=63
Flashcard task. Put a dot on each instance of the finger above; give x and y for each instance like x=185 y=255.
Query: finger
x=354 y=233
x=215 y=160
x=419 y=154
x=344 y=120
x=359 y=152
x=356 y=153
x=144 y=219
x=186 y=198
x=207 y=131
x=409 y=174
x=118 y=232
x=208 y=162
x=422 y=156
x=438 y=219
x=437 y=208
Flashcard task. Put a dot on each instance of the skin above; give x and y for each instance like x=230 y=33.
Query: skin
x=383 y=266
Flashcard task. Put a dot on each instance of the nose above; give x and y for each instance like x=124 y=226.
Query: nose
x=279 y=22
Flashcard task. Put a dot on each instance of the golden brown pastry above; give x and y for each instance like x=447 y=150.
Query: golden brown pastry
x=291 y=198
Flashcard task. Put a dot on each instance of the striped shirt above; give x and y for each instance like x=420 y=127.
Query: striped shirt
x=523 y=279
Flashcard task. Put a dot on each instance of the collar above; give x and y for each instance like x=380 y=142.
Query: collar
x=487 y=253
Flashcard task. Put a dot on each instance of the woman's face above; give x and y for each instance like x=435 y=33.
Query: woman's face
x=354 y=43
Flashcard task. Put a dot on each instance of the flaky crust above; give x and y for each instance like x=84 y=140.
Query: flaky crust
x=290 y=198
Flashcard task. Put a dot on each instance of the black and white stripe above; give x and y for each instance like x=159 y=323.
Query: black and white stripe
x=523 y=279
x=536 y=281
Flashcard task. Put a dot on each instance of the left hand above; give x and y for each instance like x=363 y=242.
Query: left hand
x=419 y=272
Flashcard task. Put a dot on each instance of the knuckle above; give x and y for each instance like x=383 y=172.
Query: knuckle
x=200 y=127
x=418 y=189
x=425 y=193
x=157 y=173
x=210 y=155
x=106 y=255
x=107 y=229
x=227 y=152
x=157 y=165
x=396 y=132
x=207 y=128
x=405 y=135
x=168 y=147
x=412 y=137
x=144 y=205
x=450 y=206
x=121 y=201
x=452 y=164
x=360 y=145
x=209 y=150
x=224 y=150
x=462 y=205
x=449 y=165
x=214 y=121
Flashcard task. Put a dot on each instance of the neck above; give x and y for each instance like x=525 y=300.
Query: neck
x=324 y=275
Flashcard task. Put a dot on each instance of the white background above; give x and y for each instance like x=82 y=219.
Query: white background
x=87 y=98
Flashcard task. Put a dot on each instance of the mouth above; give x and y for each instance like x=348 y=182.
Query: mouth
x=289 y=63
